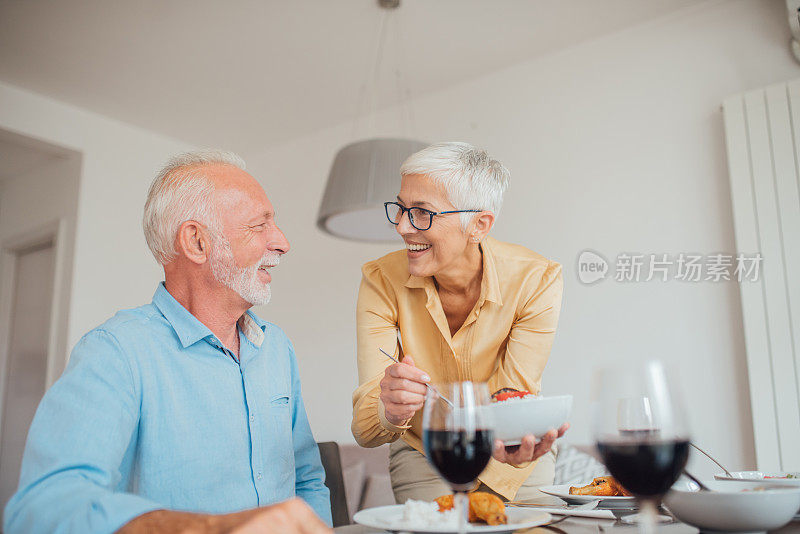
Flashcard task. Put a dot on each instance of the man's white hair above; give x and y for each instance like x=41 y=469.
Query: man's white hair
x=182 y=192
x=471 y=178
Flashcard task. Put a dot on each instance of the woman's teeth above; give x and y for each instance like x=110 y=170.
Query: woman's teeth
x=417 y=247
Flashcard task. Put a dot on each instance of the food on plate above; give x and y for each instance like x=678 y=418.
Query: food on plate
x=601 y=487
x=789 y=475
x=510 y=393
x=487 y=508
x=483 y=507
x=420 y=515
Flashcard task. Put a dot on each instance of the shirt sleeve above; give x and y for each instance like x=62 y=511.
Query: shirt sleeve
x=70 y=477
x=376 y=326
x=531 y=336
x=309 y=473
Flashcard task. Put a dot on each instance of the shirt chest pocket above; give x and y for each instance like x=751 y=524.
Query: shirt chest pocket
x=279 y=401
x=280 y=413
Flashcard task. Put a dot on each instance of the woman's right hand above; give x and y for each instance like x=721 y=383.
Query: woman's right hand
x=403 y=391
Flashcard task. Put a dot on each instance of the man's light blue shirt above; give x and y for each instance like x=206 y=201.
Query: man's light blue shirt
x=153 y=412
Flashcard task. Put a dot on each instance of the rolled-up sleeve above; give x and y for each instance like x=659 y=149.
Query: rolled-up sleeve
x=70 y=478
x=376 y=323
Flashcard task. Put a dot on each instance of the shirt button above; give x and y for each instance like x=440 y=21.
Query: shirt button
x=258 y=476
x=252 y=418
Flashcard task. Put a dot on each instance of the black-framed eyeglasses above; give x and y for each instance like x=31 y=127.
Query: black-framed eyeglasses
x=420 y=218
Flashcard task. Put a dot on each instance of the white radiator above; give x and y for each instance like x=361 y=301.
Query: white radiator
x=762 y=129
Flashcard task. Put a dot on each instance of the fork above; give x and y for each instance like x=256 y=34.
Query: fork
x=591 y=505
x=728 y=473
x=429 y=386
x=586 y=506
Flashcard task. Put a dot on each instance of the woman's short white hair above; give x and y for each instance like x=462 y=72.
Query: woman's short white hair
x=471 y=178
x=182 y=192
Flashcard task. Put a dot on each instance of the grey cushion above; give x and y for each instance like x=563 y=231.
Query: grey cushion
x=377 y=491
x=575 y=466
x=366 y=477
x=355 y=479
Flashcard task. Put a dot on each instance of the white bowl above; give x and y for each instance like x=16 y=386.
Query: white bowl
x=759 y=477
x=517 y=418
x=734 y=506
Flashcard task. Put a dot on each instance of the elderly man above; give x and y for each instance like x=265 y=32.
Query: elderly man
x=184 y=414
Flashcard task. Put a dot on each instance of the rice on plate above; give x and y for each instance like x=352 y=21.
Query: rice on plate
x=424 y=514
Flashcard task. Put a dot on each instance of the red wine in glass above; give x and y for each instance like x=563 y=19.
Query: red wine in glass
x=458 y=437
x=457 y=455
x=646 y=468
x=641 y=432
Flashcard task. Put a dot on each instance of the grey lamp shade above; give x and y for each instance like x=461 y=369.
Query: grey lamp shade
x=364 y=175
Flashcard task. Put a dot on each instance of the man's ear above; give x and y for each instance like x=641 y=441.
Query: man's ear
x=483 y=222
x=193 y=242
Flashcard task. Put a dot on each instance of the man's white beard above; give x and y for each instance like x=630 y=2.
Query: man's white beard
x=242 y=280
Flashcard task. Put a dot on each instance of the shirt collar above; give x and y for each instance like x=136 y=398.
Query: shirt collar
x=490 y=284
x=252 y=327
x=190 y=330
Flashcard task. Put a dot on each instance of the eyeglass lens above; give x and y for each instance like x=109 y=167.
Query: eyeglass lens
x=420 y=218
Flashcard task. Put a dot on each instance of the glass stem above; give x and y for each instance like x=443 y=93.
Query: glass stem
x=462 y=511
x=647 y=517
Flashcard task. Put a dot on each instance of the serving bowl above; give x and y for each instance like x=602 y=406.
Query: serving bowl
x=733 y=506
x=760 y=477
x=516 y=418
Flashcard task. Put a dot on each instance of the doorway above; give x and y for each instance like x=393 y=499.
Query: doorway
x=26 y=356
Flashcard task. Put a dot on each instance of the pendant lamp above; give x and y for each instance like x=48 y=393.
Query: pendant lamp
x=365 y=174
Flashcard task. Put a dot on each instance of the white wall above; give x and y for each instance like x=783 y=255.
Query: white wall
x=113 y=268
x=614 y=145
x=46 y=192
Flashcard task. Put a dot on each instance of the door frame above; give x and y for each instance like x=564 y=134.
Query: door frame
x=55 y=232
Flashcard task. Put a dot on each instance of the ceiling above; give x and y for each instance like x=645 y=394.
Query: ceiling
x=247 y=74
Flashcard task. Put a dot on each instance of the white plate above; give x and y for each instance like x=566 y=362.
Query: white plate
x=562 y=492
x=760 y=476
x=388 y=518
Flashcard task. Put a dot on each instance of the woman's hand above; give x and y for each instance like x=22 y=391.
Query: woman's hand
x=403 y=390
x=528 y=450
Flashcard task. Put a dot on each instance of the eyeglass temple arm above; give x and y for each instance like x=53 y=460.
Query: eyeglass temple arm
x=458 y=211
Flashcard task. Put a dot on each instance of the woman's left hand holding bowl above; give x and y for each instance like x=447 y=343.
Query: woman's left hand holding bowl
x=529 y=450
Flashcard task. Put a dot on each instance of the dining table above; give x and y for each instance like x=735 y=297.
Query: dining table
x=577 y=525
x=581 y=525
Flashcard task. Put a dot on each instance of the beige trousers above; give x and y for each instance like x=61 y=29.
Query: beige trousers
x=414 y=478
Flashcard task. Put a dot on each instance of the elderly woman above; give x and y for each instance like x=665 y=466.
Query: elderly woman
x=467 y=307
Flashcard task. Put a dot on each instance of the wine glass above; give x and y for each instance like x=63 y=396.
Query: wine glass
x=458 y=437
x=635 y=416
x=641 y=432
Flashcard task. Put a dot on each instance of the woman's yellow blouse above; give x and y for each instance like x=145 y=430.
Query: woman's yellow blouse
x=505 y=340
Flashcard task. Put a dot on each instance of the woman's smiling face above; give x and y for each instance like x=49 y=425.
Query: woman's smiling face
x=444 y=244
